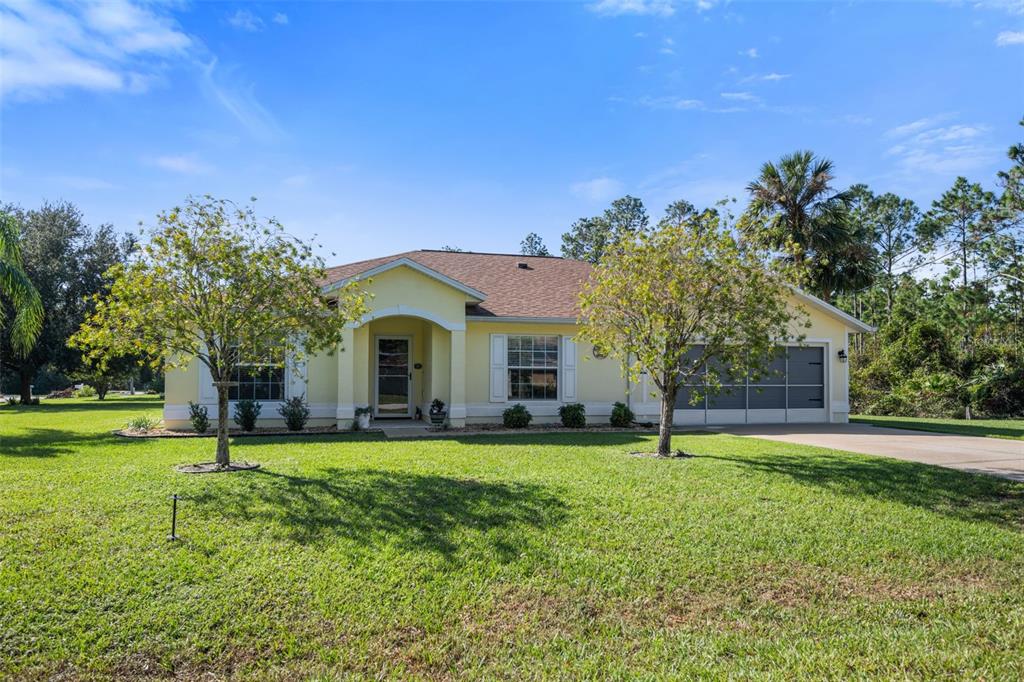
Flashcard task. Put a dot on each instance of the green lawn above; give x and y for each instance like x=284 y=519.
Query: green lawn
x=532 y=556
x=989 y=428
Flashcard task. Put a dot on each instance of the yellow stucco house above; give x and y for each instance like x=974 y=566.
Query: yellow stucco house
x=484 y=331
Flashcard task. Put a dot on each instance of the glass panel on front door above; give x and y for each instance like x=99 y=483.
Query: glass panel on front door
x=392 y=377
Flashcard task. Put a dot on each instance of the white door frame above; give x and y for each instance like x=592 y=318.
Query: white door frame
x=376 y=370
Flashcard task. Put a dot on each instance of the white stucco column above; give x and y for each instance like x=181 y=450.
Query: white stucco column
x=457 y=409
x=346 y=379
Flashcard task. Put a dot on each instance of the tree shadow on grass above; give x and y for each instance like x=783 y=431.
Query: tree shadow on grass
x=957 y=494
x=377 y=507
x=58 y=406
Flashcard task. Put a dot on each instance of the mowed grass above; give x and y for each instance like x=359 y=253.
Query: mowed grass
x=540 y=555
x=988 y=428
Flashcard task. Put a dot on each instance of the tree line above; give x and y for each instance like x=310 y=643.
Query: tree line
x=944 y=284
x=53 y=264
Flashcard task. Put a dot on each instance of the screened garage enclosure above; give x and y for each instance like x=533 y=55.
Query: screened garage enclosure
x=791 y=390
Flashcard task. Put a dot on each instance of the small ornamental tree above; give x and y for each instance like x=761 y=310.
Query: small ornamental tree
x=216 y=283
x=656 y=296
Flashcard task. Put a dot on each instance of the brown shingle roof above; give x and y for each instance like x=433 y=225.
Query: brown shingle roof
x=548 y=288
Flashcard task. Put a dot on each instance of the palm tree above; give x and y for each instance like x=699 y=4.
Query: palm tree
x=17 y=289
x=793 y=206
x=795 y=201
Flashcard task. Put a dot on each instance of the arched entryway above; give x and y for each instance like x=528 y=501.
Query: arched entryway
x=397 y=362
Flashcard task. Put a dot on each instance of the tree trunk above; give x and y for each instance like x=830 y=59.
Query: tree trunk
x=668 y=404
x=222 y=426
x=25 y=384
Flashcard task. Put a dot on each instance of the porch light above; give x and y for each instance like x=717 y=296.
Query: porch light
x=842 y=355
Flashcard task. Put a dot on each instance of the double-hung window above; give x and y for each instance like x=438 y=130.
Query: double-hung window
x=262 y=379
x=533 y=367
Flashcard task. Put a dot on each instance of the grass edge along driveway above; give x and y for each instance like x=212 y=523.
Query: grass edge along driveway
x=1012 y=429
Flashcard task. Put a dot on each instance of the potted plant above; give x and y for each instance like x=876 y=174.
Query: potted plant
x=362 y=415
x=438 y=412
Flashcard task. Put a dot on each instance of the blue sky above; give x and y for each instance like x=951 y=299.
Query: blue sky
x=384 y=127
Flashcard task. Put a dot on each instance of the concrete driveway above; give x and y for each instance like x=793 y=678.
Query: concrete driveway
x=994 y=456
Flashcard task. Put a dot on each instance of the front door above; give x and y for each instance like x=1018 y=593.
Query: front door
x=393 y=377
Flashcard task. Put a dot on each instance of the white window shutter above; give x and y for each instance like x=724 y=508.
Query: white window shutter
x=207 y=391
x=298 y=377
x=568 y=378
x=499 y=368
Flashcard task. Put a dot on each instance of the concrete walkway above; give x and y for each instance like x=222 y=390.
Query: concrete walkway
x=994 y=456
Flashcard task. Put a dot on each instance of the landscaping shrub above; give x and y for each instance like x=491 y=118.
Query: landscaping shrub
x=62 y=393
x=516 y=417
x=295 y=412
x=622 y=416
x=86 y=391
x=1001 y=391
x=246 y=414
x=199 y=417
x=573 y=415
x=141 y=423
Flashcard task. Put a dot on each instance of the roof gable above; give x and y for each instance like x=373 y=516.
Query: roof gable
x=404 y=261
x=546 y=288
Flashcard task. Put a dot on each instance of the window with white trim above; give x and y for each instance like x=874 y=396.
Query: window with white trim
x=259 y=380
x=532 y=367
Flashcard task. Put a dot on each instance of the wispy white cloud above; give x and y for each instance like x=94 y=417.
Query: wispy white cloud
x=680 y=103
x=615 y=8
x=918 y=125
x=926 y=147
x=740 y=96
x=245 y=20
x=280 y=18
x=750 y=52
x=1014 y=7
x=105 y=46
x=220 y=85
x=186 y=164
x=597 y=189
x=1006 y=38
x=772 y=77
